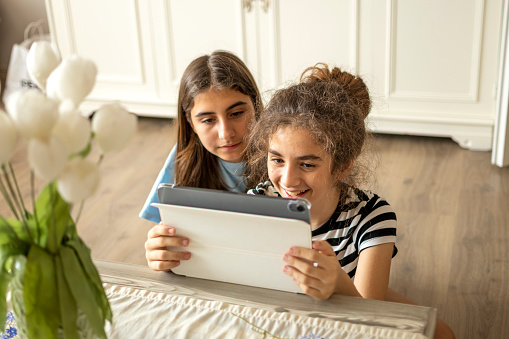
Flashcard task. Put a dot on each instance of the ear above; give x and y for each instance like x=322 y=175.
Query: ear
x=345 y=172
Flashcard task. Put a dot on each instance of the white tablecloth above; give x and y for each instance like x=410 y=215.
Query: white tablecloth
x=139 y=313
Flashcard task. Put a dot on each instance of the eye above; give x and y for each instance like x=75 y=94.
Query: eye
x=307 y=165
x=236 y=114
x=207 y=121
x=276 y=161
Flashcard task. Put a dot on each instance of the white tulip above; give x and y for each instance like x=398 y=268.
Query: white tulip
x=113 y=127
x=74 y=130
x=79 y=180
x=73 y=79
x=8 y=136
x=34 y=114
x=42 y=59
x=11 y=101
x=47 y=157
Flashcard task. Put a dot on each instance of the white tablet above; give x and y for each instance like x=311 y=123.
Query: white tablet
x=237 y=247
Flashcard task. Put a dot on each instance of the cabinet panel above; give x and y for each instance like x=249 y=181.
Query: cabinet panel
x=443 y=61
x=182 y=33
x=431 y=66
x=429 y=80
x=123 y=35
x=115 y=35
x=302 y=33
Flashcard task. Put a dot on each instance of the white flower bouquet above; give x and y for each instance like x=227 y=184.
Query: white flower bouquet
x=39 y=243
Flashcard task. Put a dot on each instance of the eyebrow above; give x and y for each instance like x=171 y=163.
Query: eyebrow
x=238 y=103
x=304 y=157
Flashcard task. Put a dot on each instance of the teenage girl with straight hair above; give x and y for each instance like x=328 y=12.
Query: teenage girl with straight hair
x=217 y=104
x=307 y=144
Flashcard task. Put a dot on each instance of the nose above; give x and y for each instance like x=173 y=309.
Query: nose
x=289 y=176
x=226 y=130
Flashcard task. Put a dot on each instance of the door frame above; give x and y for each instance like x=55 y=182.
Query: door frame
x=500 y=153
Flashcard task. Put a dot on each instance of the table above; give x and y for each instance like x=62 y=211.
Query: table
x=162 y=304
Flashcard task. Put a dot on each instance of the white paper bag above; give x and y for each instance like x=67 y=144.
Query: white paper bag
x=17 y=78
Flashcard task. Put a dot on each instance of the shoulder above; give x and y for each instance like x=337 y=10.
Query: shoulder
x=264 y=188
x=365 y=202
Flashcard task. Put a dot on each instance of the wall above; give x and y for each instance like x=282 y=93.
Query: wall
x=15 y=15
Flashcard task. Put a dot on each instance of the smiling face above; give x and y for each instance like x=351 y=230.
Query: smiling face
x=300 y=168
x=221 y=119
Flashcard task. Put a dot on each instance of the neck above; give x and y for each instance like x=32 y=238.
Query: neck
x=324 y=214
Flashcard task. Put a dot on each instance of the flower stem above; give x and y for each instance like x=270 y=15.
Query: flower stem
x=18 y=199
x=7 y=198
x=53 y=222
x=17 y=189
x=79 y=212
x=9 y=190
x=32 y=192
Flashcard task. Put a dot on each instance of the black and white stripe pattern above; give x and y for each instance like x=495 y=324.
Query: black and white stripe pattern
x=365 y=220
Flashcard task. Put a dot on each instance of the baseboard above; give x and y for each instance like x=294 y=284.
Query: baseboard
x=470 y=132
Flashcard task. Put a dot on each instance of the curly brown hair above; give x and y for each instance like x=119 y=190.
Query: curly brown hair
x=329 y=103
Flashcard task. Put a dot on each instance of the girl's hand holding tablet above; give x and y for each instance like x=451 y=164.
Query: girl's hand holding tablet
x=159 y=257
x=317 y=271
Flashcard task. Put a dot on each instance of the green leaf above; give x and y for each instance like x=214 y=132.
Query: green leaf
x=15 y=229
x=41 y=297
x=53 y=216
x=82 y=290
x=7 y=253
x=7 y=233
x=4 y=284
x=83 y=253
x=68 y=307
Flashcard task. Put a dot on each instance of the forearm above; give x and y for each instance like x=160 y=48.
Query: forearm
x=345 y=285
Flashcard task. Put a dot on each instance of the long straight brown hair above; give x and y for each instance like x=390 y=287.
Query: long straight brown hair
x=221 y=70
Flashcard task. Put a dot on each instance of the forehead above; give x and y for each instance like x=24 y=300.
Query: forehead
x=296 y=142
x=218 y=99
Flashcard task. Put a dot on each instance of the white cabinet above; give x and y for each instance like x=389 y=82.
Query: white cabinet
x=431 y=65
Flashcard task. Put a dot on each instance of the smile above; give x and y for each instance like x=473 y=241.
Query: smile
x=295 y=194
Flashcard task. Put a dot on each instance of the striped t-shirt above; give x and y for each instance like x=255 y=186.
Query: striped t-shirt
x=364 y=220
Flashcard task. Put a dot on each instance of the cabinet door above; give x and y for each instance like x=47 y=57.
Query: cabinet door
x=185 y=30
x=296 y=34
x=115 y=34
x=431 y=65
x=141 y=47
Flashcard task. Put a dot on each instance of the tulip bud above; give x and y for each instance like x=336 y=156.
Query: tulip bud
x=74 y=130
x=47 y=157
x=41 y=60
x=73 y=79
x=113 y=127
x=34 y=114
x=8 y=136
x=79 y=180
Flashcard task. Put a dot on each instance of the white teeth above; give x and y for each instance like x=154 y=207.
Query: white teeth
x=293 y=194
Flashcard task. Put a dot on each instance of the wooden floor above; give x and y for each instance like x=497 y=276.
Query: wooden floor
x=452 y=207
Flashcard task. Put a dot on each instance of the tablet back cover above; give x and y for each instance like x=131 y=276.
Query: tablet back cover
x=234 y=202
x=235 y=247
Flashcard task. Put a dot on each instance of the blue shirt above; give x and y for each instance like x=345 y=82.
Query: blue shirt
x=231 y=174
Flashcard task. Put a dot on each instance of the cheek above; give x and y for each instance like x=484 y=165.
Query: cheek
x=245 y=126
x=205 y=133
